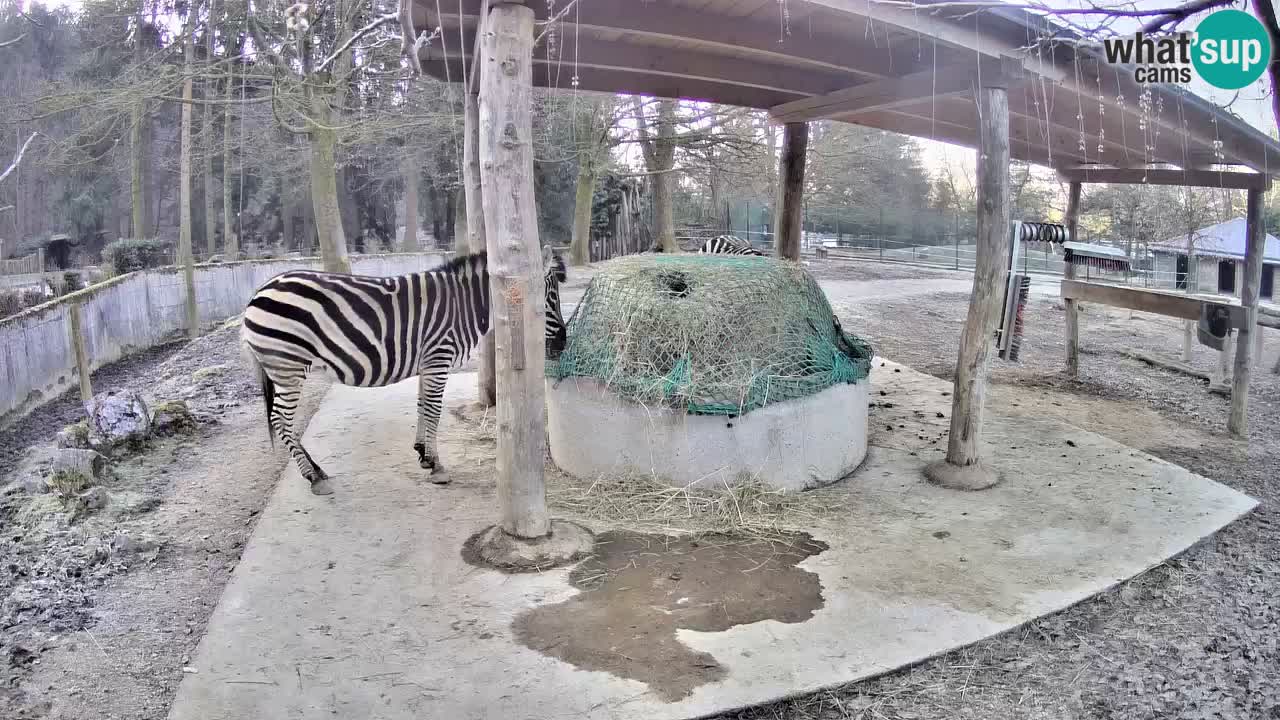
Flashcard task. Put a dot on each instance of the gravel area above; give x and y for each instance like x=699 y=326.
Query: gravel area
x=1193 y=639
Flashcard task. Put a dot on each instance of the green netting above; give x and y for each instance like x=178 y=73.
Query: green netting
x=709 y=334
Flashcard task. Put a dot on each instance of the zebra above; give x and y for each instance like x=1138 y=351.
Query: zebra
x=728 y=245
x=373 y=332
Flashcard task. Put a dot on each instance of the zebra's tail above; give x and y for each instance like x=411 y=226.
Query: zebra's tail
x=268 y=400
x=268 y=388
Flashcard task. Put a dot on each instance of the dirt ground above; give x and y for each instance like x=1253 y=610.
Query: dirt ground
x=95 y=626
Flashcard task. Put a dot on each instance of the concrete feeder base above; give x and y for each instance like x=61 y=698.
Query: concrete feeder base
x=792 y=445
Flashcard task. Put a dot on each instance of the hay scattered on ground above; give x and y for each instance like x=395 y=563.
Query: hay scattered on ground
x=646 y=503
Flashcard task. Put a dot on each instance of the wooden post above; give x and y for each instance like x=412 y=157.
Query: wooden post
x=81 y=352
x=1257 y=346
x=515 y=266
x=488 y=395
x=963 y=468
x=787 y=225
x=1072 y=221
x=1237 y=423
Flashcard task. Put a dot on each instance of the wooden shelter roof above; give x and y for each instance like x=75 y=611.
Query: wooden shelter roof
x=875 y=64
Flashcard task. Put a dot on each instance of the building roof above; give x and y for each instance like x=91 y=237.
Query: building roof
x=882 y=65
x=1224 y=240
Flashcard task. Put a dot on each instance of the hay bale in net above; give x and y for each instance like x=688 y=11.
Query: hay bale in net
x=709 y=334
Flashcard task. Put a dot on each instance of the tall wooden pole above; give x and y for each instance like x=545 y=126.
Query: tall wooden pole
x=515 y=265
x=963 y=468
x=787 y=224
x=1072 y=221
x=1237 y=423
x=474 y=201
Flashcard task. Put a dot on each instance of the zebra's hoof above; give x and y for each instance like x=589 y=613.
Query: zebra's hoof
x=322 y=487
x=440 y=477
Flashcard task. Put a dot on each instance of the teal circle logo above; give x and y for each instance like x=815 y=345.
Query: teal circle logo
x=1232 y=49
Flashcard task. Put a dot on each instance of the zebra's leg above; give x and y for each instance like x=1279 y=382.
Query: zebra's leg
x=283 y=410
x=432 y=376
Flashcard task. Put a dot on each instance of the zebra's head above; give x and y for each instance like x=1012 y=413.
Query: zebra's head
x=556 y=273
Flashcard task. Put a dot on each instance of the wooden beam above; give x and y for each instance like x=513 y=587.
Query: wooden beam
x=695 y=29
x=887 y=93
x=1186 y=307
x=81 y=352
x=1165 y=176
x=1256 y=240
x=963 y=468
x=515 y=266
x=788 y=225
x=1072 y=221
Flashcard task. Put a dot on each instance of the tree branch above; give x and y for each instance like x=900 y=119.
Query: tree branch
x=355 y=37
x=14 y=41
x=18 y=160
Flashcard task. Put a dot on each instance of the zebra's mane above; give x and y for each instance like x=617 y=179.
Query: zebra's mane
x=470 y=261
x=480 y=261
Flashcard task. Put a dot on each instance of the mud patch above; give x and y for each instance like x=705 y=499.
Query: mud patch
x=638 y=590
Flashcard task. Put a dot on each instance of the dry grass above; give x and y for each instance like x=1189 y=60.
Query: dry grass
x=647 y=503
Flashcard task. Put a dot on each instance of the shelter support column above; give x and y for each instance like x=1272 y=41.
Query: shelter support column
x=1072 y=221
x=788 y=224
x=1237 y=423
x=526 y=537
x=963 y=468
x=515 y=265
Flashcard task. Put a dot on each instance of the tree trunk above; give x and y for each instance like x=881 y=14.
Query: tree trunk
x=139 y=155
x=515 y=269
x=409 y=171
x=184 y=182
x=478 y=239
x=207 y=148
x=288 y=207
x=230 y=233
x=581 y=239
x=1255 y=240
x=324 y=188
x=790 y=216
x=461 y=240
x=963 y=468
x=659 y=158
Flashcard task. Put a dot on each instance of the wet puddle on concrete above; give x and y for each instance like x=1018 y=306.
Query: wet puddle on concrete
x=639 y=589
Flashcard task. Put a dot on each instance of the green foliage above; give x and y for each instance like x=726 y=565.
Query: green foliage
x=128 y=255
x=13 y=302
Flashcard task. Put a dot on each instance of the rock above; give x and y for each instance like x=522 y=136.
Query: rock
x=74 y=436
x=116 y=419
x=87 y=465
x=95 y=498
x=205 y=373
x=127 y=544
x=172 y=418
x=32 y=485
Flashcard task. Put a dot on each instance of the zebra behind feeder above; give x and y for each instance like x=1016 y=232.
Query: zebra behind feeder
x=376 y=331
x=728 y=245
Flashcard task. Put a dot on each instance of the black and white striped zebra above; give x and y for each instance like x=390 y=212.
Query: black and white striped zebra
x=728 y=245
x=374 y=331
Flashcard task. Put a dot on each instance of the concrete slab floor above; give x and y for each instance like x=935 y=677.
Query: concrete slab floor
x=360 y=606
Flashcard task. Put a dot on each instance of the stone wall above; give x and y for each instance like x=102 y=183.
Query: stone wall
x=137 y=311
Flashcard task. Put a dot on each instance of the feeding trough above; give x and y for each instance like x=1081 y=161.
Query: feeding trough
x=709 y=371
